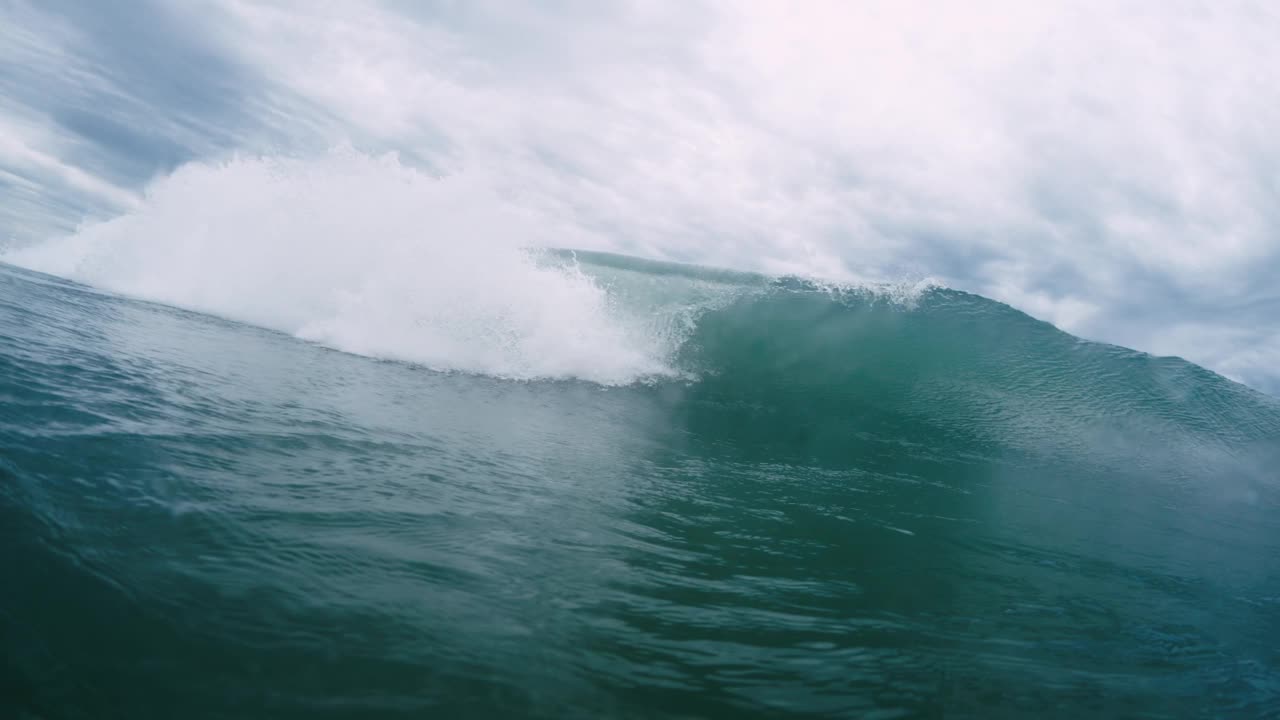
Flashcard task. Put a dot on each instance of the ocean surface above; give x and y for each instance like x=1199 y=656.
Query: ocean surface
x=674 y=493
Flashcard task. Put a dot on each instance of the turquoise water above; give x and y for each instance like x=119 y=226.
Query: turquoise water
x=825 y=503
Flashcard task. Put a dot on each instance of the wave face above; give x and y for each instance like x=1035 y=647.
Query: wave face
x=710 y=494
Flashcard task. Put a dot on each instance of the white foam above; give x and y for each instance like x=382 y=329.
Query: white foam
x=365 y=255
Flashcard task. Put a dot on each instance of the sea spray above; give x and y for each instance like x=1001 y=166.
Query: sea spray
x=366 y=255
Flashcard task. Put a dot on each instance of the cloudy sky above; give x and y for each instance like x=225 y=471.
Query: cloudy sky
x=1111 y=167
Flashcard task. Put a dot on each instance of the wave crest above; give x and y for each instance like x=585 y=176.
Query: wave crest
x=369 y=256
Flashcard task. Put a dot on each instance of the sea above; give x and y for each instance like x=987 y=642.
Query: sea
x=575 y=484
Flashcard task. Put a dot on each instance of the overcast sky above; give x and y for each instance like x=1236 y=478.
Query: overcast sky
x=1111 y=167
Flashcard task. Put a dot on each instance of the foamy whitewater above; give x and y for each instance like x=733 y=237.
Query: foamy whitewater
x=368 y=256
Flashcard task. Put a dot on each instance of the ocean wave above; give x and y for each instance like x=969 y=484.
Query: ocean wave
x=367 y=255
